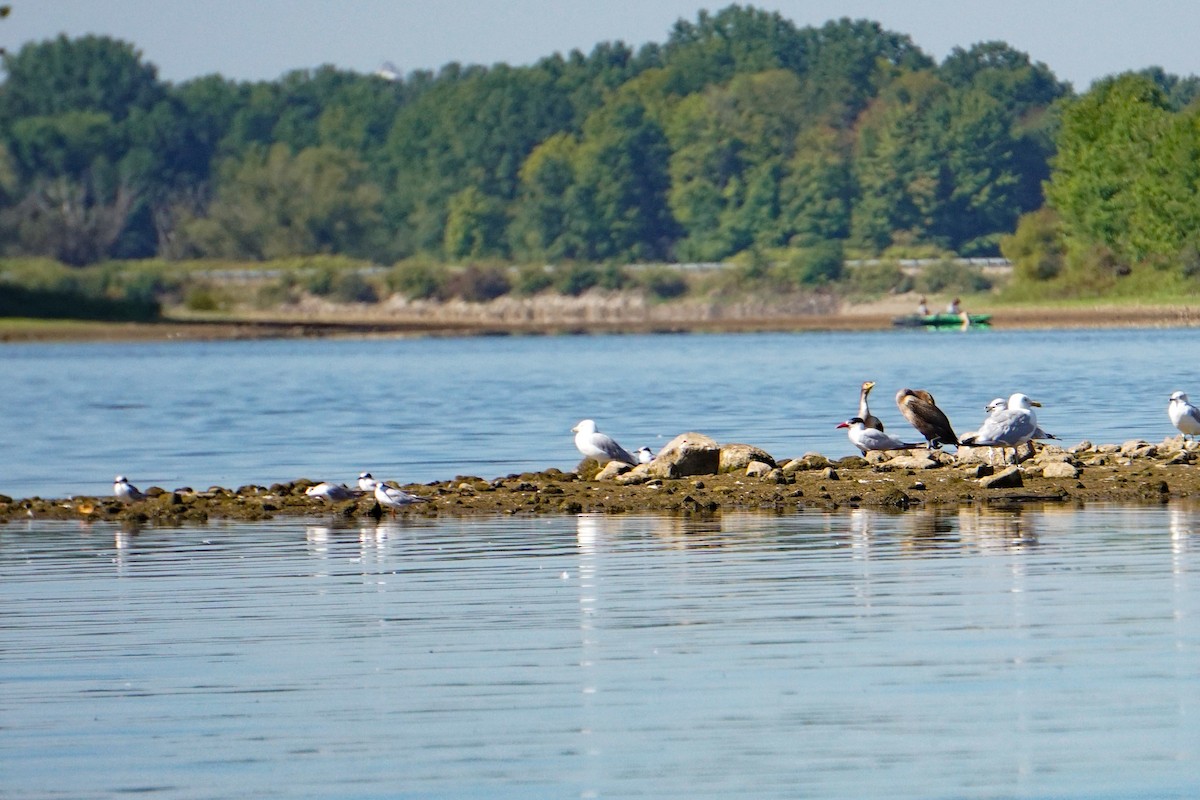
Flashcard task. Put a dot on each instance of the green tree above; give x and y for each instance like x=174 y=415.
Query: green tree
x=730 y=145
x=475 y=225
x=898 y=167
x=735 y=40
x=622 y=181
x=848 y=63
x=75 y=200
x=92 y=73
x=542 y=215
x=1006 y=75
x=1164 y=217
x=817 y=191
x=474 y=131
x=1103 y=149
x=272 y=204
x=934 y=166
x=980 y=175
x=1035 y=248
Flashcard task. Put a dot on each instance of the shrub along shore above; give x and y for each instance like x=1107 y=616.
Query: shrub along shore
x=743 y=478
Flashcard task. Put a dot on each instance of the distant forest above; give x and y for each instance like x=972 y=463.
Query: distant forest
x=740 y=133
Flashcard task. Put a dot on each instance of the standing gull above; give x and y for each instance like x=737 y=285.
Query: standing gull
x=1008 y=427
x=999 y=404
x=644 y=455
x=864 y=413
x=919 y=408
x=1184 y=415
x=867 y=439
x=599 y=446
x=393 y=498
x=125 y=491
x=366 y=483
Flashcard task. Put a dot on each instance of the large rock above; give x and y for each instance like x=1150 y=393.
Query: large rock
x=1005 y=479
x=1053 y=455
x=739 y=456
x=1060 y=469
x=687 y=454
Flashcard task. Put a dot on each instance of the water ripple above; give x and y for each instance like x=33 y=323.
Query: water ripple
x=968 y=653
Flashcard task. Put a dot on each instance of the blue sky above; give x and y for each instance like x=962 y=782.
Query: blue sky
x=262 y=39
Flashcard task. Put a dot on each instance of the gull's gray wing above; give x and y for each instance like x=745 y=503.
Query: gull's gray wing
x=608 y=445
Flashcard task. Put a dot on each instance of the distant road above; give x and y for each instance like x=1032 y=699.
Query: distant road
x=915 y=265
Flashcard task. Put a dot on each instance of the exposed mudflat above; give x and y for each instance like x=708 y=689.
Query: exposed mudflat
x=1133 y=472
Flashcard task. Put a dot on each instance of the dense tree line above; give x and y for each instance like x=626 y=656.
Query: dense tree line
x=741 y=132
x=1123 y=198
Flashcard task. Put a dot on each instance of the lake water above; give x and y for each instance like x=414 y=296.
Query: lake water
x=1044 y=653
x=416 y=410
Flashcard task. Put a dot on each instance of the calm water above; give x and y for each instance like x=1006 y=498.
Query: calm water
x=1038 y=654
x=229 y=413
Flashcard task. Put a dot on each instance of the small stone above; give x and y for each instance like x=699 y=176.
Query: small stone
x=611 y=470
x=980 y=471
x=911 y=462
x=830 y=474
x=639 y=474
x=1060 y=469
x=1005 y=479
x=758 y=469
x=808 y=461
x=1082 y=447
x=895 y=498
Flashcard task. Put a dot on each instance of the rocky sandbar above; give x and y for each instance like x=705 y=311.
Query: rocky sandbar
x=747 y=478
